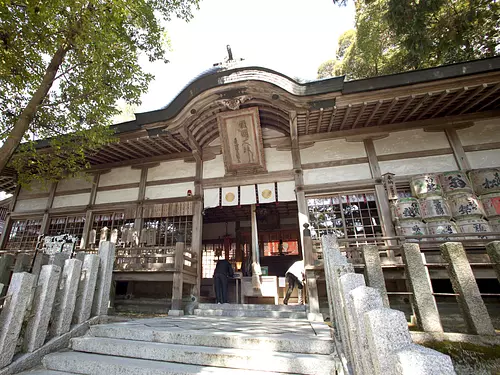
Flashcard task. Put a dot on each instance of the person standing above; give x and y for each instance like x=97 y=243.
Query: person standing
x=223 y=270
x=295 y=277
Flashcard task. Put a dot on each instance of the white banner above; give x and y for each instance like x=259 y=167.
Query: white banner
x=266 y=193
x=230 y=196
x=247 y=195
x=286 y=191
x=211 y=198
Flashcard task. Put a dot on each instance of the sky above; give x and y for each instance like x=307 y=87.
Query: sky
x=292 y=37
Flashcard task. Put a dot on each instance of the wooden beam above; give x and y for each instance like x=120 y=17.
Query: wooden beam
x=375 y=110
x=458 y=150
x=321 y=111
x=158 y=142
x=434 y=104
x=388 y=110
x=346 y=115
x=418 y=106
x=403 y=108
x=360 y=113
x=139 y=150
x=143 y=142
x=124 y=153
x=143 y=160
x=308 y=114
x=481 y=98
x=332 y=119
x=372 y=158
x=177 y=142
x=457 y=95
x=489 y=103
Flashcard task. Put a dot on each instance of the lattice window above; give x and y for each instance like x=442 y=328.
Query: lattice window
x=346 y=215
x=168 y=227
x=67 y=225
x=24 y=234
x=209 y=257
x=110 y=220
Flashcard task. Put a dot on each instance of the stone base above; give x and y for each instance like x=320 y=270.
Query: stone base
x=315 y=317
x=176 y=312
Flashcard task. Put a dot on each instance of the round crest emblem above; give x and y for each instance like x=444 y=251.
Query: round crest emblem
x=230 y=197
x=267 y=193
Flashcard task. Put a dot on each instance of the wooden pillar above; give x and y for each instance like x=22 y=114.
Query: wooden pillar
x=8 y=220
x=139 y=221
x=197 y=236
x=88 y=214
x=45 y=221
x=255 y=236
x=176 y=308
x=458 y=149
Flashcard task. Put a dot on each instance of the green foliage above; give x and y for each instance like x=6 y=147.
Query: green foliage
x=100 y=42
x=393 y=36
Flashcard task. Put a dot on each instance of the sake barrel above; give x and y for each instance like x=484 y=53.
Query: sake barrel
x=491 y=204
x=442 y=227
x=485 y=181
x=426 y=185
x=455 y=182
x=434 y=208
x=408 y=209
x=412 y=228
x=467 y=225
x=495 y=225
x=465 y=206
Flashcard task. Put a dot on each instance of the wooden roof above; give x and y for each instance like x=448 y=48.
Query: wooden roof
x=454 y=93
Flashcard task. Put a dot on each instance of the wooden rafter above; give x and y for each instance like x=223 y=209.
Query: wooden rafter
x=318 y=126
x=168 y=146
x=127 y=150
x=346 y=115
x=332 y=119
x=140 y=151
x=158 y=143
x=360 y=113
x=481 y=98
x=434 y=104
x=177 y=142
x=403 y=108
x=120 y=151
x=418 y=106
x=458 y=94
x=476 y=92
x=108 y=155
x=489 y=103
x=375 y=110
x=144 y=142
x=388 y=110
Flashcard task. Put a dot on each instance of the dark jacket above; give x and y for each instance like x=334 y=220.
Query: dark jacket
x=224 y=267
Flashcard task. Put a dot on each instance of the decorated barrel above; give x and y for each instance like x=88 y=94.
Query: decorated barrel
x=495 y=224
x=455 y=182
x=408 y=209
x=474 y=226
x=435 y=227
x=491 y=204
x=465 y=206
x=434 y=208
x=485 y=181
x=412 y=228
x=427 y=185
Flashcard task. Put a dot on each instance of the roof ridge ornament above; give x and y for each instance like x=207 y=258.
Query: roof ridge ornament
x=234 y=103
x=229 y=62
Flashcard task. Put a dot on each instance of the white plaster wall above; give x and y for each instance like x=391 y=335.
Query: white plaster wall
x=278 y=160
x=71 y=200
x=480 y=133
x=35 y=188
x=75 y=183
x=169 y=191
x=213 y=231
x=171 y=169
x=25 y=205
x=335 y=149
x=119 y=195
x=337 y=174
x=410 y=140
x=214 y=168
x=118 y=176
x=405 y=167
x=484 y=159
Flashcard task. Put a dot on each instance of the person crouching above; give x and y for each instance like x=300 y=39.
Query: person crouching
x=295 y=277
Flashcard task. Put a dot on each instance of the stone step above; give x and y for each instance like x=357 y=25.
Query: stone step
x=285 y=336
x=259 y=360
x=95 y=364
x=252 y=307
x=45 y=372
x=252 y=313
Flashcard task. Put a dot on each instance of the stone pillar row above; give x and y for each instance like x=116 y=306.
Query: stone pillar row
x=66 y=292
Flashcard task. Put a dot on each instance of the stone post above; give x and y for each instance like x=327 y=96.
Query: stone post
x=364 y=299
x=40 y=260
x=104 y=278
x=58 y=259
x=493 y=250
x=36 y=330
x=421 y=287
x=176 y=308
x=6 y=262
x=464 y=284
x=64 y=305
x=23 y=263
x=19 y=297
x=373 y=271
x=416 y=359
x=313 y=313
x=348 y=283
x=86 y=288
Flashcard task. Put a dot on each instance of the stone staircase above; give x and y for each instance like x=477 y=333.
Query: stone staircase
x=252 y=310
x=200 y=345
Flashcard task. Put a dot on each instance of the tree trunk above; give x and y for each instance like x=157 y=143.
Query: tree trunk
x=22 y=124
